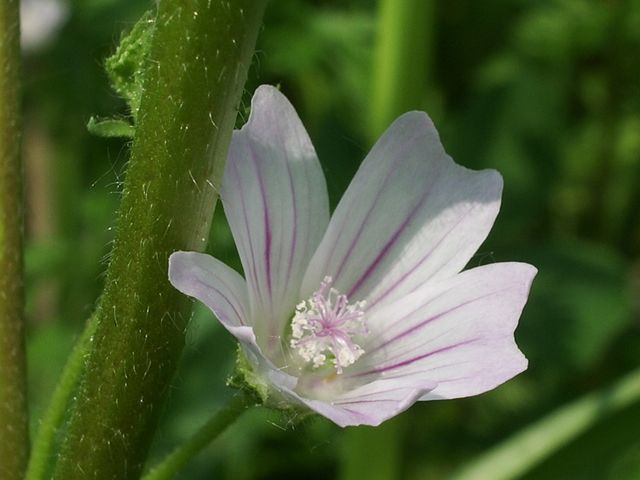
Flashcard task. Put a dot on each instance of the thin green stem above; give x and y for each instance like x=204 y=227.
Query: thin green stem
x=13 y=398
x=518 y=454
x=52 y=424
x=193 y=79
x=402 y=60
x=224 y=417
x=374 y=453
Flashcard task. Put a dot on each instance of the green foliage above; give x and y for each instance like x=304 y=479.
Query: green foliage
x=581 y=295
x=609 y=450
x=127 y=65
x=246 y=380
x=125 y=69
x=528 y=447
x=546 y=92
x=110 y=128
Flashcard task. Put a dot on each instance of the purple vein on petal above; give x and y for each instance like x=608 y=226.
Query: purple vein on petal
x=294 y=234
x=372 y=339
x=357 y=414
x=361 y=228
x=431 y=370
x=432 y=319
x=416 y=348
x=207 y=286
x=396 y=376
x=254 y=270
x=387 y=247
x=426 y=256
x=377 y=392
x=355 y=402
x=409 y=361
x=392 y=168
x=266 y=217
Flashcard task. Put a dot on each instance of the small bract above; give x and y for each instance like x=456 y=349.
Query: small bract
x=362 y=314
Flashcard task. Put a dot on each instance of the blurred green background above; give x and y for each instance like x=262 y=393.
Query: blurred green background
x=545 y=91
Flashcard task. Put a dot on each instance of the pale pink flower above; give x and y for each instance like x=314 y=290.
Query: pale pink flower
x=362 y=314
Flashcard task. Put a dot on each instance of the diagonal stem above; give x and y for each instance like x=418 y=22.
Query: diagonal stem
x=518 y=454
x=217 y=424
x=44 y=442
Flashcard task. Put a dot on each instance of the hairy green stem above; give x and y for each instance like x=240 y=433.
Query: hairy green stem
x=198 y=61
x=217 y=424
x=13 y=398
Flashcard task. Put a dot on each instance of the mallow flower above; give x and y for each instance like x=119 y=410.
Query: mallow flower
x=359 y=315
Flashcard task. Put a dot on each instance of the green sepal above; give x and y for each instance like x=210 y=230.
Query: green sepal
x=110 y=127
x=126 y=66
x=251 y=382
x=246 y=379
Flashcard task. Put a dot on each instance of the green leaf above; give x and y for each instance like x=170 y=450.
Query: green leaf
x=110 y=127
x=582 y=296
x=529 y=447
x=126 y=66
x=247 y=380
x=609 y=450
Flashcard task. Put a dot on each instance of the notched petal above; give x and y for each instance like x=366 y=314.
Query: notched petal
x=458 y=333
x=409 y=216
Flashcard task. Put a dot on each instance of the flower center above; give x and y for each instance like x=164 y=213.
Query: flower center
x=323 y=327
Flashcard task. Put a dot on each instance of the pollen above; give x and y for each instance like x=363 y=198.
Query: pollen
x=324 y=326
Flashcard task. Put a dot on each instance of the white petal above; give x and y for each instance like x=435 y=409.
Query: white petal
x=275 y=198
x=458 y=334
x=369 y=404
x=217 y=286
x=409 y=215
x=373 y=403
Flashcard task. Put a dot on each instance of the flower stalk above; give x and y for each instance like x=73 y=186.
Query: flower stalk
x=44 y=442
x=402 y=60
x=193 y=79
x=217 y=424
x=13 y=399
x=525 y=449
